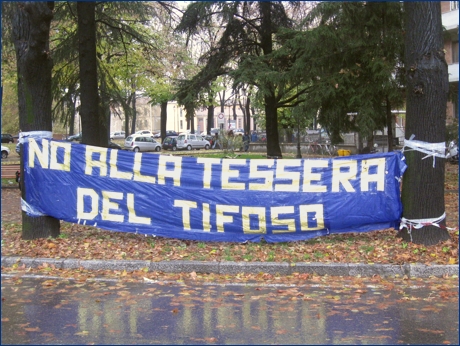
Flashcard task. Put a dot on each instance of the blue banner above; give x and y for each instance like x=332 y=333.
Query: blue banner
x=211 y=199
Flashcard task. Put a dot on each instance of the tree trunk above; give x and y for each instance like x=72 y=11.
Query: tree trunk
x=427 y=91
x=271 y=114
x=163 y=119
x=92 y=125
x=210 y=119
x=390 y=123
x=247 y=115
x=72 y=112
x=105 y=107
x=31 y=28
x=132 y=112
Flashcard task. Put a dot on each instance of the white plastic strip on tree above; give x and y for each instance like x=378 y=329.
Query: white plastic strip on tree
x=34 y=134
x=31 y=211
x=419 y=223
x=431 y=149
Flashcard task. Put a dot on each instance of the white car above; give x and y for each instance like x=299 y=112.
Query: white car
x=118 y=135
x=191 y=141
x=141 y=143
x=5 y=152
x=144 y=133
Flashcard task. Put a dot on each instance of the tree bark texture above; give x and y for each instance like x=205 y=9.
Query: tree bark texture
x=427 y=91
x=31 y=27
x=92 y=124
x=210 y=123
x=271 y=114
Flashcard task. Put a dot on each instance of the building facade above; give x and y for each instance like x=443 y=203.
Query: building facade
x=450 y=13
x=148 y=118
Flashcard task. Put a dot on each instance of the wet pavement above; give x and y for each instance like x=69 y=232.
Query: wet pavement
x=44 y=310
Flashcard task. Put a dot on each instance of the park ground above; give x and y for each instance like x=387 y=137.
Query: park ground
x=83 y=242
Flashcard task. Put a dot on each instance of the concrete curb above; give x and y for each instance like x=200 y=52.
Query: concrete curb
x=284 y=268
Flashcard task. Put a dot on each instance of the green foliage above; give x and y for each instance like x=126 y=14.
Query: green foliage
x=352 y=76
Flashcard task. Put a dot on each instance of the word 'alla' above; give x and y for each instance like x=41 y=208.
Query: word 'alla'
x=318 y=175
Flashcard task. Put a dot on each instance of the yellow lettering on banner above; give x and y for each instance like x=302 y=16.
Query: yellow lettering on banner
x=206 y=218
x=222 y=218
x=100 y=163
x=54 y=164
x=108 y=205
x=207 y=174
x=186 y=206
x=319 y=217
x=228 y=173
x=81 y=193
x=260 y=212
x=343 y=178
x=114 y=172
x=164 y=173
x=378 y=177
x=309 y=176
x=267 y=185
x=132 y=217
x=290 y=223
x=34 y=152
x=137 y=171
x=294 y=177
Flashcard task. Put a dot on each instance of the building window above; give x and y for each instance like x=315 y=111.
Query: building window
x=181 y=125
x=453 y=5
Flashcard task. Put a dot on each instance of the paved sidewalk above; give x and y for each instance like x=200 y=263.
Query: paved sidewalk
x=284 y=268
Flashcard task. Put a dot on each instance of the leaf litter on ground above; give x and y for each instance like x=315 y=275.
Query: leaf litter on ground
x=377 y=247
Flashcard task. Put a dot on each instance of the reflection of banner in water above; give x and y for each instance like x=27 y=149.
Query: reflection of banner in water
x=212 y=199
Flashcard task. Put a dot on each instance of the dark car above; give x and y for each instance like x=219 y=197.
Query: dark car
x=7 y=138
x=168 y=134
x=113 y=145
x=170 y=143
x=171 y=133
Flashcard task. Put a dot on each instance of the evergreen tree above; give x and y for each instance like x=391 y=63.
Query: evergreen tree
x=356 y=78
x=248 y=35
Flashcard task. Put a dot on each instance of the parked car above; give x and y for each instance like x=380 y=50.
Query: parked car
x=170 y=143
x=144 y=132
x=113 y=145
x=7 y=138
x=118 y=135
x=18 y=148
x=137 y=142
x=191 y=141
x=210 y=139
x=168 y=133
x=5 y=152
x=76 y=137
x=171 y=133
